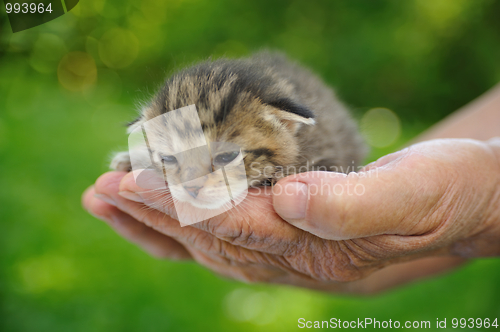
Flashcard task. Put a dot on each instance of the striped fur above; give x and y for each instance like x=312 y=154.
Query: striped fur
x=281 y=115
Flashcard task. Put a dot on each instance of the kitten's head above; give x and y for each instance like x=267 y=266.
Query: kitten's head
x=247 y=116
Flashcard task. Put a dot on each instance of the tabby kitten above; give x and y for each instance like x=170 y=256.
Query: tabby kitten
x=272 y=116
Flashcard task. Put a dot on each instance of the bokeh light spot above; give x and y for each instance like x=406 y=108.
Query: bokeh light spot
x=247 y=305
x=118 y=48
x=77 y=71
x=381 y=127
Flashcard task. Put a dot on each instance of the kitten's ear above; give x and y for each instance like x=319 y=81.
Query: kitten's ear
x=292 y=115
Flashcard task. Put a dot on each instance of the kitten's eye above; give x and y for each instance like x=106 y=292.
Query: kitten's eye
x=168 y=159
x=226 y=157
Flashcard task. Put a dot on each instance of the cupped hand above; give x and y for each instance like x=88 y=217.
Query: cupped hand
x=440 y=196
x=437 y=199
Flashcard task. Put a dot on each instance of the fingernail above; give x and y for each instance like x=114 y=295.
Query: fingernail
x=290 y=200
x=131 y=196
x=105 y=198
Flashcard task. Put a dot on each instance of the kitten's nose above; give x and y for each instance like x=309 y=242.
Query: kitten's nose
x=193 y=190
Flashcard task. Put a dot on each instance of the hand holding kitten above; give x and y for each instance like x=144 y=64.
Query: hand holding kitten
x=427 y=201
x=440 y=196
x=427 y=209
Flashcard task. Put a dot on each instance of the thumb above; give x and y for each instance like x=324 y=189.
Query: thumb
x=379 y=199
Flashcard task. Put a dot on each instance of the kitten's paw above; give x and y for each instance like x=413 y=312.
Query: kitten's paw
x=121 y=162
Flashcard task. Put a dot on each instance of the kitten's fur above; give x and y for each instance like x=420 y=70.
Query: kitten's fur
x=281 y=115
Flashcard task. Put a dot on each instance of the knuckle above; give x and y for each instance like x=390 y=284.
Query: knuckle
x=229 y=269
x=334 y=261
x=353 y=261
x=203 y=241
x=338 y=272
x=347 y=275
x=233 y=231
x=216 y=246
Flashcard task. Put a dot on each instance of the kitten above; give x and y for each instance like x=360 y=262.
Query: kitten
x=264 y=112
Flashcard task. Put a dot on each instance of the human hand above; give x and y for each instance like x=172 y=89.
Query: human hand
x=440 y=196
x=419 y=204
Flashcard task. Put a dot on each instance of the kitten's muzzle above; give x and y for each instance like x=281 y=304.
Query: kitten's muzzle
x=193 y=190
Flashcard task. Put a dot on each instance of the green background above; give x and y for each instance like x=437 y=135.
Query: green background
x=63 y=270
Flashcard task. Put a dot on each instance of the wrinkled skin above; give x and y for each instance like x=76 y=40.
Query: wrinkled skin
x=438 y=200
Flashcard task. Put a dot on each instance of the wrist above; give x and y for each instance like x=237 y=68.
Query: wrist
x=490 y=240
x=484 y=239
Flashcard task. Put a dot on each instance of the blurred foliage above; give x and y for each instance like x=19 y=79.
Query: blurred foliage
x=66 y=88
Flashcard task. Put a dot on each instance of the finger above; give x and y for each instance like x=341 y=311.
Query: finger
x=243 y=271
x=97 y=210
x=108 y=185
x=201 y=240
x=380 y=200
x=253 y=224
x=151 y=241
x=269 y=249
x=217 y=255
x=159 y=198
x=211 y=252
